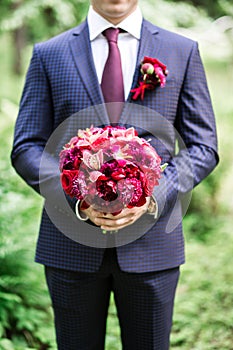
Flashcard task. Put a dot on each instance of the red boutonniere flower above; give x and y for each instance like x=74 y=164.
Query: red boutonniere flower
x=154 y=73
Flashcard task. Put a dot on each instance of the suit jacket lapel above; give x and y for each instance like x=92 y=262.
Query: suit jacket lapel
x=82 y=55
x=149 y=46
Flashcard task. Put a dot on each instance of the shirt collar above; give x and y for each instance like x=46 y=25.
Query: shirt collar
x=97 y=24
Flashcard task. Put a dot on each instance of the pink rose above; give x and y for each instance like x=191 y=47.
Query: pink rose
x=150 y=179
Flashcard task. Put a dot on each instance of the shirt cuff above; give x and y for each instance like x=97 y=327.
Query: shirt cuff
x=78 y=214
x=153 y=207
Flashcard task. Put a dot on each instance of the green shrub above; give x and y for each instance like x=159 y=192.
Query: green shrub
x=25 y=315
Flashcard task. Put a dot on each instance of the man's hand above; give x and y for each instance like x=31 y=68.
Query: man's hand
x=109 y=222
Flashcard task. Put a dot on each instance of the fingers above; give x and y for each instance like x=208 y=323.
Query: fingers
x=114 y=224
x=125 y=218
x=93 y=214
x=109 y=222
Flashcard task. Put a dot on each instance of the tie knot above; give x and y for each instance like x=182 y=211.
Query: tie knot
x=111 y=34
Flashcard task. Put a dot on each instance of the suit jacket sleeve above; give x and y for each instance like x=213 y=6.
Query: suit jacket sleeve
x=195 y=124
x=34 y=123
x=33 y=128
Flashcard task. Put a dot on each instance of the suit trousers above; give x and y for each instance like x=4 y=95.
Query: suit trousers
x=144 y=303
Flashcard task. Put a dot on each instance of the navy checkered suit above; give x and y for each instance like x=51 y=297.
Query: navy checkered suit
x=62 y=81
x=59 y=84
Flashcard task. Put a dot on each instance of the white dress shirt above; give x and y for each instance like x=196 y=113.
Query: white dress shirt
x=127 y=42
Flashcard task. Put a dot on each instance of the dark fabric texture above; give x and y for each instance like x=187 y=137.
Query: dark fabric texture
x=144 y=306
x=62 y=81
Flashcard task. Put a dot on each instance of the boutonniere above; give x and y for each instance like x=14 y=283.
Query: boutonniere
x=153 y=73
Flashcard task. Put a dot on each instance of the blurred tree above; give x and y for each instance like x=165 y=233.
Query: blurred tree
x=214 y=9
x=35 y=20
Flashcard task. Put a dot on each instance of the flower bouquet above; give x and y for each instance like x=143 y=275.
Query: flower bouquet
x=109 y=168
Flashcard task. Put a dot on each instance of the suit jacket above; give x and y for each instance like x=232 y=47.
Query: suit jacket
x=62 y=81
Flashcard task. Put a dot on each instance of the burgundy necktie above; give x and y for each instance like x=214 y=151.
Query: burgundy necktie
x=112 y=79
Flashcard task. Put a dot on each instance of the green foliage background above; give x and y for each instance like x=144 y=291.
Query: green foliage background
x=203 y=316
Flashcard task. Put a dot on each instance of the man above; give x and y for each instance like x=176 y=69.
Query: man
x=64 y=78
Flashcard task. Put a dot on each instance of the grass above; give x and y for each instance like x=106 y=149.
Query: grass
x=203 y=315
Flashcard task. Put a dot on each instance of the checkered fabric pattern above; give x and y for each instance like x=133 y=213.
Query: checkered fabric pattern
x=144 y=306
x=61 y=81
